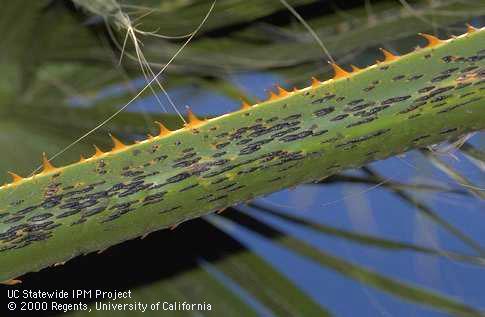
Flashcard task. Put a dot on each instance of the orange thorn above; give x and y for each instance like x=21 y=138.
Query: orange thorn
x=470 y=28
x=220 y=211
x=339 y=71
x=355 y=68
x=315 y=82
x=46 y=165
x=81 y=159
x=245 y=105
x=281 y=91
x=15 y=178
x=118 y=145
x=11 y=282
x=97 y=151
x=193 y=120
x=172 y=227
x=388 y=56
x=432 y=40
x=163 y=129
x=272 y=96
x=295 y=89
